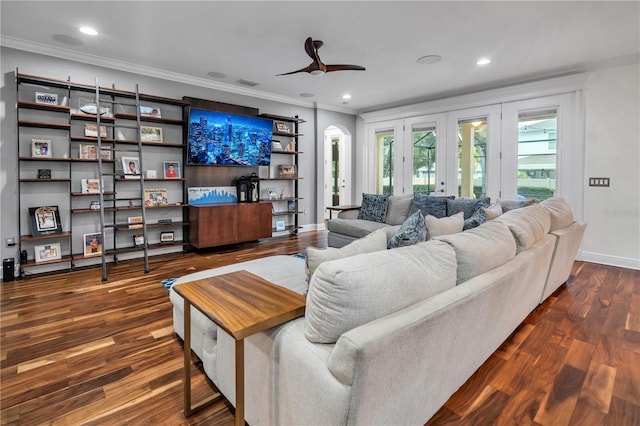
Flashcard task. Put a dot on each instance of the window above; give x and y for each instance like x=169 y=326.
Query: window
x=385 y=159
x=537 y=141
x=472 y=157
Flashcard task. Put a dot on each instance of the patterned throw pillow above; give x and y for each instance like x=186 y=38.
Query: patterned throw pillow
x=412 y=231
x=430 y=205
x=374 y=207
x=465 y=205
x=477 y=218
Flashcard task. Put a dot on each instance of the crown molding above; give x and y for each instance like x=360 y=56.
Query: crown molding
x=86 y=58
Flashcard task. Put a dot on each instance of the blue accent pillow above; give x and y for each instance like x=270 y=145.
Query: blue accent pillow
x=374 y=207
x=412 y=231
x=465 y=205
x=430 y=205
x=477 y=218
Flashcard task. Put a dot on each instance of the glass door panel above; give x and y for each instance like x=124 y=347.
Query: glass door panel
x=472 y=157
x=385 y=159
x=537 y=143
x=425 y=149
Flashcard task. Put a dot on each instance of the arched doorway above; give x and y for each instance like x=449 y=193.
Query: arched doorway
x=337 y=167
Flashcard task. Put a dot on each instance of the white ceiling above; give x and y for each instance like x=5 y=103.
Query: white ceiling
x=257 y=40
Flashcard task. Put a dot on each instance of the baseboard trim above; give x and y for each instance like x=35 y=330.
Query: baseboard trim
x=605 y=259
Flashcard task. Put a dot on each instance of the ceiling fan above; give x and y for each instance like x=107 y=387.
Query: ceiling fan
x=317 y=67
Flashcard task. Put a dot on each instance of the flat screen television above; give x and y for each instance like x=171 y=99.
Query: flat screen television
x=222 y=139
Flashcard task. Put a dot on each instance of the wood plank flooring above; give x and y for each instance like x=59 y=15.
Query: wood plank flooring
x=79 y=351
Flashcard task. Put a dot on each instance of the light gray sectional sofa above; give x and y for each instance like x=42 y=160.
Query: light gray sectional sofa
x=390 y=335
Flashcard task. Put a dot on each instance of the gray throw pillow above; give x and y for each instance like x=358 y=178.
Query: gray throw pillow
x=466 y=205
x=429 y=205
x=374 y=207
x=477 y=218
x=412 y=231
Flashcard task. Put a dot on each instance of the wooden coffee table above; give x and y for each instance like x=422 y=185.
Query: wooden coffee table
x=242 y=304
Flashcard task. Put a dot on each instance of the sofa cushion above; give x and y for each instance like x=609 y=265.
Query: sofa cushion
x=412 y=231
x=481 y=249
x=508 y=205
x=466 y=205
x=429 y=205
x=377 y=240
x=559 y=212
x=374 y=207
x=527 y=224
x=398 y=211
x=357 y=228
x=444 y=226
x=493 y=211
x=346 y=293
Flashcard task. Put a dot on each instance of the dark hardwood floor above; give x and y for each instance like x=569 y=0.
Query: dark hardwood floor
x=79 y=351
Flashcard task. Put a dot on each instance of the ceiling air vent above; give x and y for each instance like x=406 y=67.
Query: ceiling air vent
x=247 y=82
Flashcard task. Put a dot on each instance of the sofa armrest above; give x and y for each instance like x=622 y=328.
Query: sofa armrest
x=349 y=214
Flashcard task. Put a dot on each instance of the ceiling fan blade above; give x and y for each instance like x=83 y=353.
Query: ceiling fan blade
x=305 y=69
x=331 y=68
x=310 y=48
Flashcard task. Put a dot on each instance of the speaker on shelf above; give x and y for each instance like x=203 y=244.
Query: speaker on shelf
x=8 y=269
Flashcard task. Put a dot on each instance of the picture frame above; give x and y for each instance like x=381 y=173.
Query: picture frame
x=155 y=197
x=276 y=146
x=292 y=206
x=287 y=171
x=48 y=252
x=88 y=151
x=95 y=205
x=138 y=240
x=166 y=237
x=135 y=222
x=171 y=170
x=149 y=111
x=150 y=134
x=90 y=186
x=92 y=244
x=131 y=167
x=165 y=221
x=280 y=225
x=41 y=148
x=45 y=220
x=91 y=130
x=46 y=98
x=44 y=173
x=281 y=126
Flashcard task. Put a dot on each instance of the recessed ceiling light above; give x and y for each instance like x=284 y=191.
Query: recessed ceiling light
x=346 y=96
x=88 y=31
x=307 y=95
x=429 y=59
x=483 y=61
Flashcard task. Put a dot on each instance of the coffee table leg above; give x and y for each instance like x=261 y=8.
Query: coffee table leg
x=187 y=357
x=239 y=382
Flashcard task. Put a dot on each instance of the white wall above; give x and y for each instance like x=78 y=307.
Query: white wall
x=612 y=149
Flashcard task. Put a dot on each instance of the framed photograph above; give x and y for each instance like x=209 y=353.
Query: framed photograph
x=95 y=205
x=172 y=170
x=47 y=98
x=45 y=221
x=276 y=146
x=287 y=171
x=155 y=197
x=48 y=252
x=88 y=151
x=92 y=244
x=281 y=126
x=91 y=130
x=138 y=240
x=90 y=186
x=105 y=154
x=166 y=237
x=280 y=225
x=151 y=134
x=41 y=148
x=165 y=221
x=292 y=207
x=150 y=111
x=44 y=173
x=131 y=167
x=135 y=222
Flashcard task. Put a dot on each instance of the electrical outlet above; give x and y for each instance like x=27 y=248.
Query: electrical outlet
x=11 y=241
